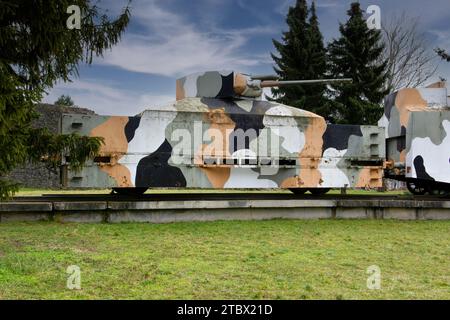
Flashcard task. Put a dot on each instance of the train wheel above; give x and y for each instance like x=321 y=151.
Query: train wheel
x=416 y=189
x=319 y=191
x=438 y=192
x=129 y=191
x=298 y=191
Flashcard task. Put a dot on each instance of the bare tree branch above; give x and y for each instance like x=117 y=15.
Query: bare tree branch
x=411 y=62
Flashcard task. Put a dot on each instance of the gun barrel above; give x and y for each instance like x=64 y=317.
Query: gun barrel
x=266 y=77
x=269 y=83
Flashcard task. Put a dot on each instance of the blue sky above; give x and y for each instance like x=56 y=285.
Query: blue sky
x=171 y=38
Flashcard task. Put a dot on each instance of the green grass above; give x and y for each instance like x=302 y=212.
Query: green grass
x=33 y=192
x=325 y=259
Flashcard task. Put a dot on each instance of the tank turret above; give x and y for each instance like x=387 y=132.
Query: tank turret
x=230 y=84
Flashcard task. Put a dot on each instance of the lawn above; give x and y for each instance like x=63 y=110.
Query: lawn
x=325 y=259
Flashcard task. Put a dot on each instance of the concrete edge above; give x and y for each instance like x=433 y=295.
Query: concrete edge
x=228 y=204
x=21 y=207
x=80 y=206
x=168 y=212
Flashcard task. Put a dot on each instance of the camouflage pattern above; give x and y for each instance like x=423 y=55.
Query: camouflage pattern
x=218 y=134
x=218 y=84
x=417 y=128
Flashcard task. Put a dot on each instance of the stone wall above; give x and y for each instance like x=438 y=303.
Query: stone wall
x=37 y=176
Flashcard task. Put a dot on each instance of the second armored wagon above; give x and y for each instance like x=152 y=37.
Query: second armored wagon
x=417 y=122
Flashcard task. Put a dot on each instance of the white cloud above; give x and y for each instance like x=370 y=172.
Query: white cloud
x=442 y=37
x=175 y=47
x=283 y=6
x=168 y=45
x=107 y=100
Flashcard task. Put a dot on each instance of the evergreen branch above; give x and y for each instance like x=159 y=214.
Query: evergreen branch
x=443 y=54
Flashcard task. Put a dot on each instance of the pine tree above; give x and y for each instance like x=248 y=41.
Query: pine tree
x=443 y=54
x=301 y=56
x=36 y=50
x=355 y=55
x=315 y=100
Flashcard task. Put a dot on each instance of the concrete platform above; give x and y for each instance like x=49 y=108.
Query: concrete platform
x=213 y=210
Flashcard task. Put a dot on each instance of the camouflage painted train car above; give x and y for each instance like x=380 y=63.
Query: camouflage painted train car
x=417 y=123
x=220 y=134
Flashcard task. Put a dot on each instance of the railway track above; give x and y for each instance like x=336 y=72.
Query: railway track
x=216 y=197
